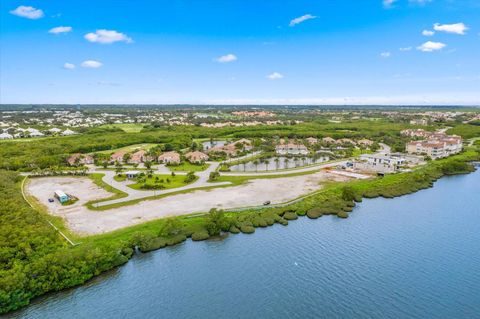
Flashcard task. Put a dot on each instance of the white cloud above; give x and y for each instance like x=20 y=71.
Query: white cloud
x=28 y=12
x=227 y=58
x=457 y=28
x=430 y=46
x=388 y=3
x=406 y=49
x=107 y=36
x=301 y=19
x=428 y=33
x=58 y=30
x=91 y=64
x=385 y=54
x=69 y=66
x=275 y=76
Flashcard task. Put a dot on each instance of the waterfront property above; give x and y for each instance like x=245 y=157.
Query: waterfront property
x=436 y=146
x=379 y=163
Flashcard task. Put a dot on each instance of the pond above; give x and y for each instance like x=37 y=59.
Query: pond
x=209 y=144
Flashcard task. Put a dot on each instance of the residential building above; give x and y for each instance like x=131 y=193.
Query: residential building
x=291 y=149
x=365 y=142
x=118 y=156
x=169 y=158
x=79 y=159
x=311 y=140
x=196 y=157
x=6 y=136
x=328 y=140
x=379 y=163
x=436 y=146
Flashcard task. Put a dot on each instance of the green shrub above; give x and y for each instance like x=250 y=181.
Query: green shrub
x=342 y=214
x=247 y=229
x=200 y=235
x=290 y=215
x=314 y=213
x=234 y=230
x=282 y=221
x=152 y=244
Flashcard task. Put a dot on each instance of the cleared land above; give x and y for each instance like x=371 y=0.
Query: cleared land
x=84 y=221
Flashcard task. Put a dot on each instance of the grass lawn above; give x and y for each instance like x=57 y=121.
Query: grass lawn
x=127 y=127
x=167 y=181
x=358 y=151
x=188 y=167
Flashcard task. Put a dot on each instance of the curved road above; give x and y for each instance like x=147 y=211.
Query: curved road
x=201 y=182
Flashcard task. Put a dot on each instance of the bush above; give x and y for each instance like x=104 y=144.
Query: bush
x=152 y=244
x=247 y=229
x=342 y=214
x=234 y=230
x=200 y=235
x=283 y=222
x=314 y=213
x=290 y=215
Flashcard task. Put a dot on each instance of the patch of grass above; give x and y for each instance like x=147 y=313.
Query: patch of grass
x=161 y=182
x=126 y=127
x=188 y=167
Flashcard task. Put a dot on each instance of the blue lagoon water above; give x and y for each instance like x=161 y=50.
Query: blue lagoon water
x=415 y=256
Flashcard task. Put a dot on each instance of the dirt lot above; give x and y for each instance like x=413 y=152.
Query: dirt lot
x=84 y=221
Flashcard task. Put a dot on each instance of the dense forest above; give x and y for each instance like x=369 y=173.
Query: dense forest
x=34 y=259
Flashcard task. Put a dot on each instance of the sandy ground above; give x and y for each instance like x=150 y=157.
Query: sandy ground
x=84 y=221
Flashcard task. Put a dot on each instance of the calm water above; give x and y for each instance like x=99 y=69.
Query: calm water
x=207 y=144
x=283 y=163
x=411 y=257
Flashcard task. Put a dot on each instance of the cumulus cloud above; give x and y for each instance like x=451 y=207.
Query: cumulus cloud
x=431 y=46
x=107 y=36
x=275 y=76
x=457 y=28
x=386 y=54
x=428 y=33
x=226 y=58
x=406 y=49
x=58 y=30
x=91 y=64
x=301 y=19
x=28 y=12
x=69 y=66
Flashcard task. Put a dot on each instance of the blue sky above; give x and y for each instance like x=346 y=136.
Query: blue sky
x=240 y=52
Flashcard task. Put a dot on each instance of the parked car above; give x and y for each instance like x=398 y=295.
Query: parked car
x=267 y=203
x=50 y=200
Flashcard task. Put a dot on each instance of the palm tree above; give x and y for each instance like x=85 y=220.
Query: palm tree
x=277 y=161
x=267 y=163
x=255 y=162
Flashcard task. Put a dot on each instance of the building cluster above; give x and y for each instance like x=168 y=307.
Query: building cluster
x=18 y=132
x=432 y=144
x=383 y=163
x=436 y=146
x=232 y=149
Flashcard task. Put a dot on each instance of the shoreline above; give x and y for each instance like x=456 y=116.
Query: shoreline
x=120 y=245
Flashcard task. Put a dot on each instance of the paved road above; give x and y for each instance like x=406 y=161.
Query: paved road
x=202 y=181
